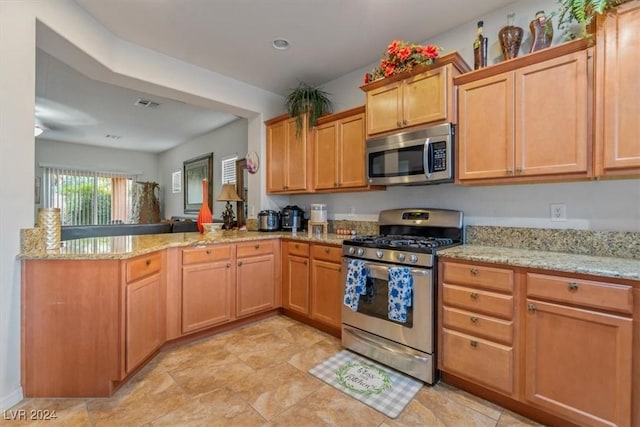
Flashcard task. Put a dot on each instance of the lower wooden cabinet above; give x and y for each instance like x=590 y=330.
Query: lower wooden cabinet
x=295 y=277
x=256 y=289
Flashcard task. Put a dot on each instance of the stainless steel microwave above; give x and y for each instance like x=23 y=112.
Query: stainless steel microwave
x=423 y=156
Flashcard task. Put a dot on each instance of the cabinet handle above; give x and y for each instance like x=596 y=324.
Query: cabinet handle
x=474 y=319
x=573 y=286
x=208 y=251
x=399 y=124
x=239 y=263
x=305 y=262
x=531 y=308
x=509 y=171
x=473 y=295
x=257 y=246
x=228 y=265
x=404 y=122
x=473 y=343
x=474 y=271
x=519 y=170
x=335 y=184
x=326 y=250
x=148 y=262
x=297 y=246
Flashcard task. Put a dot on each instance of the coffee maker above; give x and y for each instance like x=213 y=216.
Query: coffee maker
x=292 y=217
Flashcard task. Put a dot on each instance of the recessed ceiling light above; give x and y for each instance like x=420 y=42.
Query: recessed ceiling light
x=280 y=44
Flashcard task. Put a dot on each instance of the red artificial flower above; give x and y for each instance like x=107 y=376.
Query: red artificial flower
x=389 y=70
x=393 y=47
x=404 y=53
x=430 y=52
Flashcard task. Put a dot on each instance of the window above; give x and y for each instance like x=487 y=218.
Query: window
x=229 y=169
x=89 y=197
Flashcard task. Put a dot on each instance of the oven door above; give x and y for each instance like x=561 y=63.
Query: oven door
x=372 y=314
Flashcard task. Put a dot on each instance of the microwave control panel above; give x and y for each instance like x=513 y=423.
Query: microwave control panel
x=439 y=157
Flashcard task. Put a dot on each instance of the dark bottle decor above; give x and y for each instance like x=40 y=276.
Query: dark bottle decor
x=480 y=48
x=541 y=31
x=510 y=38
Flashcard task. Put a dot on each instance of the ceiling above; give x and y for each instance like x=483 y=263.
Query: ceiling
x=328 y=39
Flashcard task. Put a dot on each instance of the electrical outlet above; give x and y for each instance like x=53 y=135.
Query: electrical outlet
x=558 y=211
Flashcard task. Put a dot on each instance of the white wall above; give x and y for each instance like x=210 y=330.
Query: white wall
x=595 y=205
x=228 y=140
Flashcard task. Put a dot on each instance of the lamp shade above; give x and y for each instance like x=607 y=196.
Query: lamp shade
x=228 y=194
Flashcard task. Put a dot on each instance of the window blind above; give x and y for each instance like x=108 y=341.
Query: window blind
x=229 y=169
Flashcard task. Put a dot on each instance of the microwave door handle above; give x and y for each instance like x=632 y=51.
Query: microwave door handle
x=427 y=158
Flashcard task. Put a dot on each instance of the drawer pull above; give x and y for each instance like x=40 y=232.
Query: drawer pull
x=228 y=265
x=297 y=246
x=573 y=286
x=326 y=250
x=531 y=308
x=148 y=262
x=474 y=319
x=305 y=262
x=208 y=251
x=473 y=343
x=473 y=295
x=474 y=271
x=257 y=246
x=239 y=263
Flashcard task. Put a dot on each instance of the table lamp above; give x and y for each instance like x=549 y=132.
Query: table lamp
x=228 y=194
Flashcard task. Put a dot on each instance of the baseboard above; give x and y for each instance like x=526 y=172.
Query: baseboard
x=10 y=400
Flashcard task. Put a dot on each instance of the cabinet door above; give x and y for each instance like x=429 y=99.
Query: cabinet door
x=326 y=288
x=255 y=285
x=325 y=173
x=296 y=163
x=425 y=98
x=276 y=157
x=145 y=320
x=485 y=128
x=206 y=295
x=578 y=363
x=351 y=152
x=621 y=90
x=551 y=107
x=296 y=276
x=384 y=108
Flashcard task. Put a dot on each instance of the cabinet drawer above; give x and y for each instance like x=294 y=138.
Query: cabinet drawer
x=327 y=253
x=143 y=266
x=478 y=325
x=605 y=296
x=475 y=300
x=259 y=247
x=498 y=279
x=479 y=360
x=298 y=248
x=200 y=254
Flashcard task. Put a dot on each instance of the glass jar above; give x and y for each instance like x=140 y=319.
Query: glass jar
x=510 y=38
x=541 y=31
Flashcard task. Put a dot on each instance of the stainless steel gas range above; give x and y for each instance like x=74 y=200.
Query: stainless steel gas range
x=389 y=287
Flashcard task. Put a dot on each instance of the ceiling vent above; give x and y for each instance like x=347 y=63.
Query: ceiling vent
x=146 y=103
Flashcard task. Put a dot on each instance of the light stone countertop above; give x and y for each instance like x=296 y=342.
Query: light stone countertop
x=612 y=267
x=123 y=247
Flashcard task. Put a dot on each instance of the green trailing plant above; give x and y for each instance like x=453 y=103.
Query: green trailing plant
x=304 y=99
x=583 y=11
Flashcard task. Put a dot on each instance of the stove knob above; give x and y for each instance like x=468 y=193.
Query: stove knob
x=352 y=251
x=379 y=254
x=401 y=257
x=360 y=251
x=413 y=258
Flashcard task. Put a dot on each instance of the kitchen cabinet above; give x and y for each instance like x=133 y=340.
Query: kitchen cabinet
x=339 y=151
x=617 y=92
x=326 y=284
x=578 y=349
x=257 y=274
x=295 y=276
x=145 y=308
x=423 y=96
x=287 y=156
x=537 y=126
x=479 y=326
x=208 y=286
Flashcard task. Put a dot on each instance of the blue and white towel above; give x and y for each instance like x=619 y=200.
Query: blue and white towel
x=400 y=293
x=356 y=284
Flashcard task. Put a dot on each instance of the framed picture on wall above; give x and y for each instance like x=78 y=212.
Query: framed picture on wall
x=193 y=172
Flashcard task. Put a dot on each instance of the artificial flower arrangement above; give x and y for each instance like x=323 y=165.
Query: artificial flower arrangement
x=402 y=56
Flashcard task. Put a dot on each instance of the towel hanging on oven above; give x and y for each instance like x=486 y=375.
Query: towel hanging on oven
x=400 y=293
x=356 y=284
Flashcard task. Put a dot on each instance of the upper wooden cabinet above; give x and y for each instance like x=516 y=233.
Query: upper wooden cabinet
x=618 y=92
x=287 y=156
x=422 y=96
x=339 y=151
x=527 y=119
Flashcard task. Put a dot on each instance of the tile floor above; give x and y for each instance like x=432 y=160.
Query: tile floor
x=257 y=376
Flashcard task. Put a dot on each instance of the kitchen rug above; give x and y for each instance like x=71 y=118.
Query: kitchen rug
x=375 y=385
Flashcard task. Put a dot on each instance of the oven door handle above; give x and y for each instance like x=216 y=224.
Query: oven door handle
x=385 y=269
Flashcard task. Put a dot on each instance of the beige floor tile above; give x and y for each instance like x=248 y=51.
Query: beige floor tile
x=414 y=414
x=449 y=412
x=510 y=419
x=329 y=407
x=273 y=389
x=47 y=412
x=463 y=398
x=301 y=335
x=310 y=356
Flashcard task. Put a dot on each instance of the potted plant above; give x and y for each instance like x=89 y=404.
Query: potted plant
x=307 y=100
x=583 y=12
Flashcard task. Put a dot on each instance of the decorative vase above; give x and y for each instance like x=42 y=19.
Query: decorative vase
x=49 y=221
x=146 y=208
x=541 y=31
x=204 y=216
x=510 y=38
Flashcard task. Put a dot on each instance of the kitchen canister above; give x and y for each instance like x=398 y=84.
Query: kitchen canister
x=318 y=212
x=49 y=220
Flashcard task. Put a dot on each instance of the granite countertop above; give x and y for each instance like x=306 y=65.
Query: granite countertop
x=605 y=266
x=123 y=247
